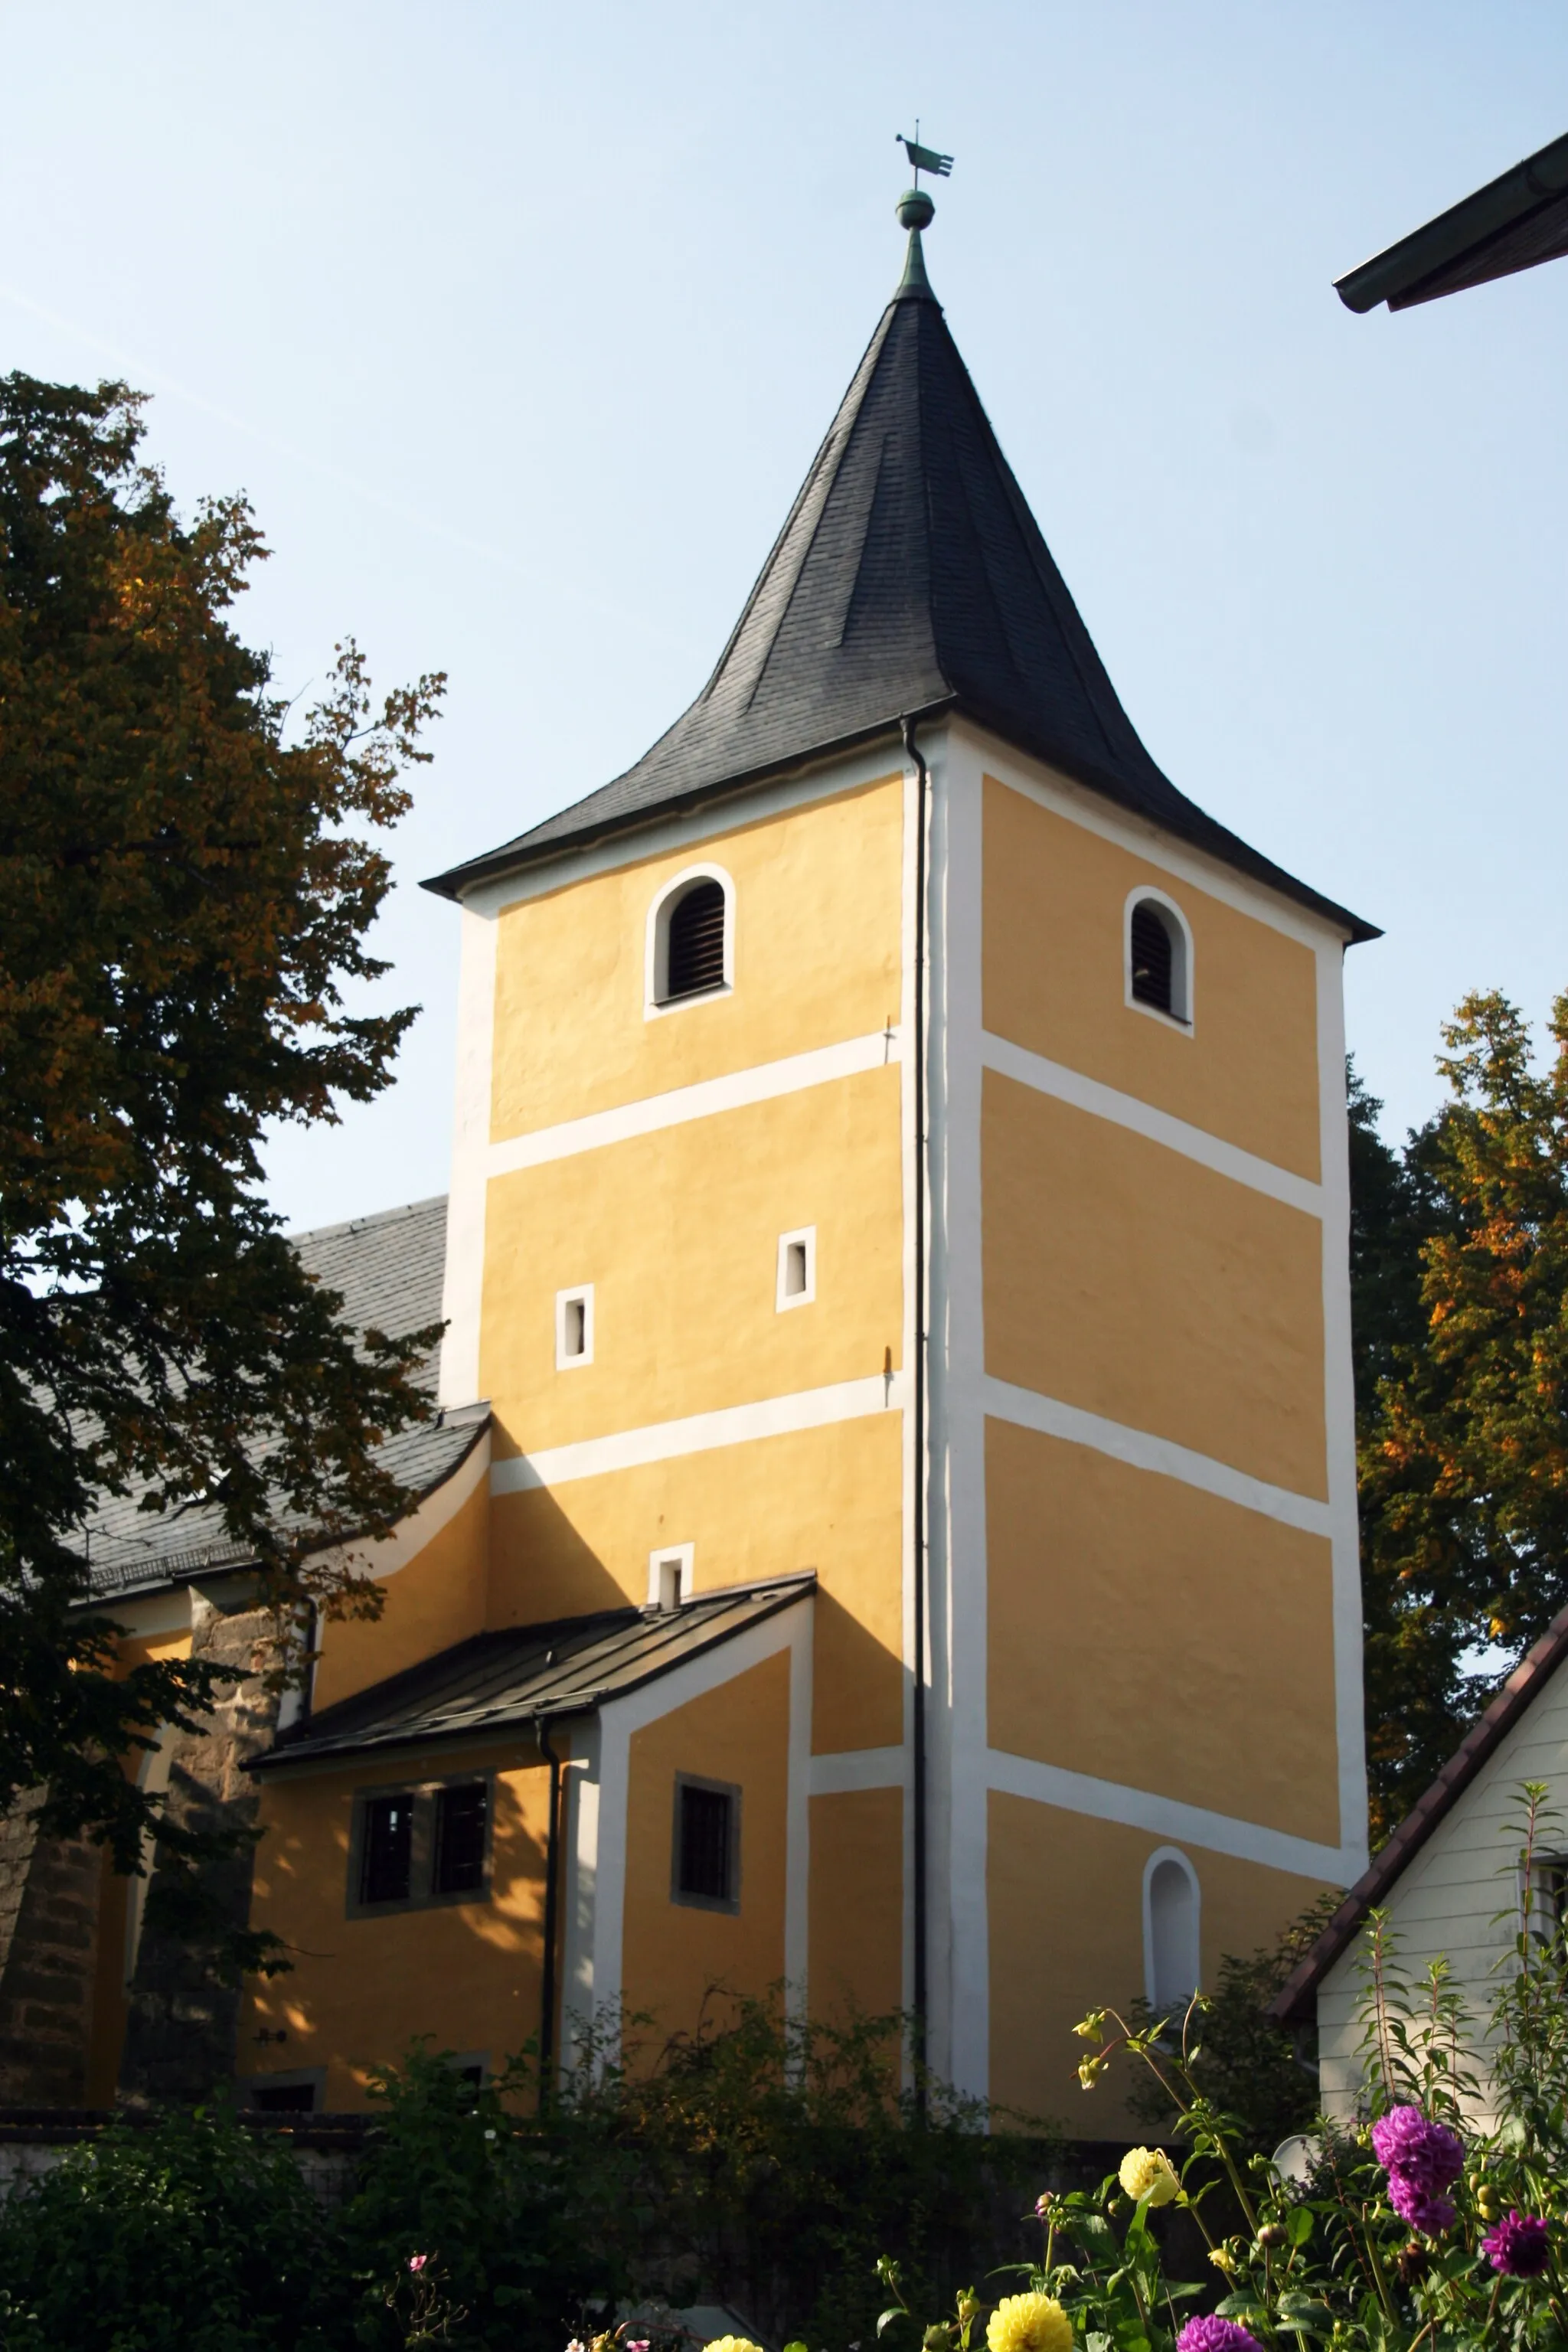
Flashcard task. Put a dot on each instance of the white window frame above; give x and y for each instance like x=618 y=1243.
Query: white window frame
x=680 y=1556
x=1163 y=1853
x=656 y=945
x=1181 y=961
x=783 y=1298
x=579 y=1294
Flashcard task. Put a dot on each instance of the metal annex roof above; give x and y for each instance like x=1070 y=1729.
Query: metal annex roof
x=1293 y=2003
x=497 y=1682
x=910 y=580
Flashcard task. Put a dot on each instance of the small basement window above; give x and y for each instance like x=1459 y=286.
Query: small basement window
x=707 y=1843
x=386 y=1850
x=1159 y=960
x=295 y=2094
x=462 y=1821
x=691 y=947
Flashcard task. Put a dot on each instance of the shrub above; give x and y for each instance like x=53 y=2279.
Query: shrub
x=190 y=2235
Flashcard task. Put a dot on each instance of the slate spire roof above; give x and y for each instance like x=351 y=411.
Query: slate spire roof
x=909 y=579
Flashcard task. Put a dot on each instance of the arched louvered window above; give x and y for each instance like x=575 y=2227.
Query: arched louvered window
x=1159 y=959
x=690 y=947
x=697 y=941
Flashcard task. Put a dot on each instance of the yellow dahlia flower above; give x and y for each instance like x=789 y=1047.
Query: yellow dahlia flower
x=732 y=2344
x=1146 y=2172
x=1029 y=2322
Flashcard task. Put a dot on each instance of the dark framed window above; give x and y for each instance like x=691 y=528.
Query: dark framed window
x=462 y=1823
x=695 y=954
x=387 y=1849
x=420 y=1846
x=707 y=1858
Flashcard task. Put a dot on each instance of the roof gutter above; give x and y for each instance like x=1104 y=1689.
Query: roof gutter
x=1395 y=275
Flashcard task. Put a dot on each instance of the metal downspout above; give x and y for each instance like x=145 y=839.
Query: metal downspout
x=918 y=1513
x=552 y=1904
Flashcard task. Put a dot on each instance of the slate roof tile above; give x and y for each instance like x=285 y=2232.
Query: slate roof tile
x=388 y=1268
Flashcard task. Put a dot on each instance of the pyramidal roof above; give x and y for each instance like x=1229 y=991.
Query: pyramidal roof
x=910 y=580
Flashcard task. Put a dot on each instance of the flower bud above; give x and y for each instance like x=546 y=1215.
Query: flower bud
x=1273 y=2233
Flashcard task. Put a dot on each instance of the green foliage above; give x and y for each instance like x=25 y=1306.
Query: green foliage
x=761 y=2162
x=184 y=898
x=506 y=2217
x=765 y=2160
x=1460 y=1299
x=191 y=2236
x=1246 y=2067
x=1330 y=2261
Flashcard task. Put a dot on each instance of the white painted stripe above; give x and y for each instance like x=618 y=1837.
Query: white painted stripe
x=850 y=1769
x=1067 y=1085
x=664 y=1441
x=1167 y=1817
x=735 y=1091
x=1144 y=1452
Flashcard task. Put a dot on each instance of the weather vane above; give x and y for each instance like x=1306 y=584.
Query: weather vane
x=923 y=159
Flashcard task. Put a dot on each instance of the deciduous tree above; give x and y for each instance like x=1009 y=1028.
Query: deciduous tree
x=1464 y=1389
x=185 y=895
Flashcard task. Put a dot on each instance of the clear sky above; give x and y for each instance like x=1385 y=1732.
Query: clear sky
x=521 y=325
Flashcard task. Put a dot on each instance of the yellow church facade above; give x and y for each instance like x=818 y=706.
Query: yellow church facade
x=899 y=1537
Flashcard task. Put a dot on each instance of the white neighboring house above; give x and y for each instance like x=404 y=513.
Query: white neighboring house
x=1450 y=1877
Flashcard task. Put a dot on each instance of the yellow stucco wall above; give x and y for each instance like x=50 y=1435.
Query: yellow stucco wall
x=360 y=1990
x=1067 y=1936
x=816 y=960
x=435 y=1599
x=1132 y=1281
x=827 y=1498
x=1146 y=1633
x=679 y=1234
x=673 y=1951
x=1054 y=983
x=855 y=1949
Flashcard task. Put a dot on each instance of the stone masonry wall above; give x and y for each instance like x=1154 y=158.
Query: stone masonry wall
x=49 y=1952
x=183 y=2015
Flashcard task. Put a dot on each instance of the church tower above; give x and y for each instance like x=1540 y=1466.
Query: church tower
x=901 y=1139
x=890 y=1527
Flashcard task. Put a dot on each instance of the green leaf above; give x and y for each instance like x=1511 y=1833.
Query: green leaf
x=1298 y=2226
x=885 y=2319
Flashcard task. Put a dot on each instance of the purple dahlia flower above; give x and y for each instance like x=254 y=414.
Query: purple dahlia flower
x=1518 y=2246
x=1213 y=2335
x=1406 y=2141
x=1420 y=2206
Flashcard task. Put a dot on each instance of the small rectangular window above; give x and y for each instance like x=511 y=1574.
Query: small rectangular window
x=574 y=1327
x=707 y=1843
x=386 y=1850
x=798 y=1268
x=462 y=1817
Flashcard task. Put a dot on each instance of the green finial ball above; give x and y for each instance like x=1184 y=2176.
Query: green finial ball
x=915 y=209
